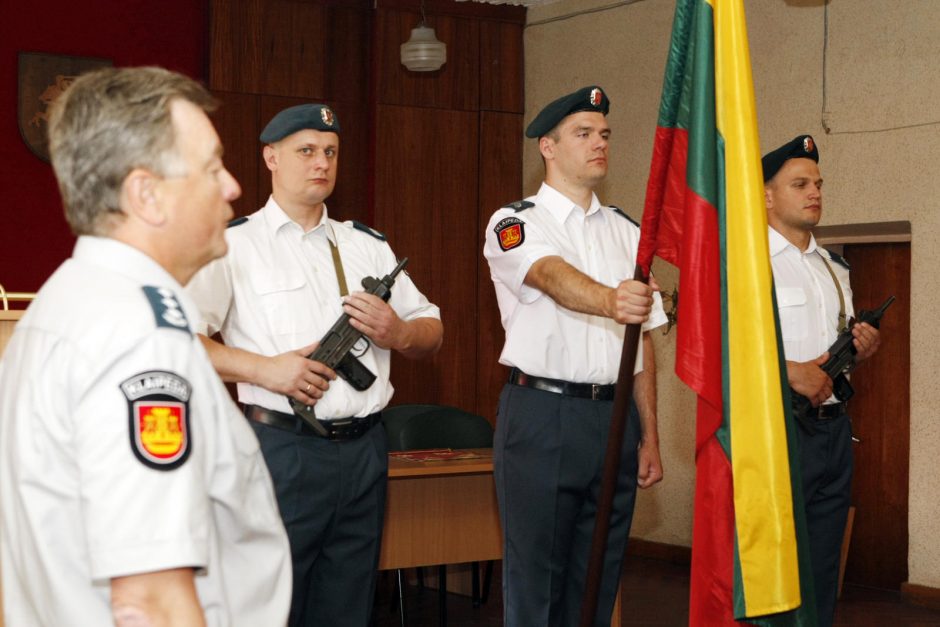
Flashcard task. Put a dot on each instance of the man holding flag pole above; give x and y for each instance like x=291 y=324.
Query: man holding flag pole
x=562 y=264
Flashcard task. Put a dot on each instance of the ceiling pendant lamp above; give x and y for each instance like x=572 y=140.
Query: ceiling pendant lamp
x=423 y=52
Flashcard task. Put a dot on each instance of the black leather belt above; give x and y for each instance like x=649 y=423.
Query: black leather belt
x=592 y=391
x=828 y=412
x=335 y=430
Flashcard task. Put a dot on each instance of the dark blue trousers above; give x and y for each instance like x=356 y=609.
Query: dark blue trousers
x=827 y=464
x=548 y=462
x=332 y=501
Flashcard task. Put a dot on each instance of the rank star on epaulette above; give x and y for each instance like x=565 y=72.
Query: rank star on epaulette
x=511 y=233
x=520 y=205
x=158 y=418
x=166 y=309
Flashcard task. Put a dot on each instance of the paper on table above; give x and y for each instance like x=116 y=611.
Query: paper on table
x=435 y=454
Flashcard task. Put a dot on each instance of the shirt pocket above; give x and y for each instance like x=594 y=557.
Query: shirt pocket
x=791 y=303
x=284 y=301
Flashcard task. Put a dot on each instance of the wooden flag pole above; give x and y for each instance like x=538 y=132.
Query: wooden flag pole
x=618 y=423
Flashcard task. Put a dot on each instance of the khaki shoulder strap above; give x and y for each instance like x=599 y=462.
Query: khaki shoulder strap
x=842 y=324
x=338 y=266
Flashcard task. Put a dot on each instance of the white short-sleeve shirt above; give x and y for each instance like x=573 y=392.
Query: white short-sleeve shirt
x=121 y=453
x=807 y=297
x=543 y=338
x=276 y=290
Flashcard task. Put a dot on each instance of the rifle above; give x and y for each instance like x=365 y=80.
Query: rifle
x=334 y=349
x=841 y=362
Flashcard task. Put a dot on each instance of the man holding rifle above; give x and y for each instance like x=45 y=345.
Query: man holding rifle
x=814 y=301
x=562 y=265
x=280 y=289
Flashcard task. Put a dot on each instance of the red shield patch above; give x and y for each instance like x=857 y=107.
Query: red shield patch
x=808 y=144
x=511 y=233
x=162 y=433
x=158 y=425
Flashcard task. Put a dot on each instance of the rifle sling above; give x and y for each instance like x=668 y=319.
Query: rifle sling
x=842 y=325
x=341 y=276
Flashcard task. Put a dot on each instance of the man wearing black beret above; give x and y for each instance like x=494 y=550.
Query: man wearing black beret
x=281 y=287
x=814 y=300
x=561 y=264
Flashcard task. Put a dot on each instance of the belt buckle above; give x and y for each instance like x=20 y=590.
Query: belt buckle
x=595 y=392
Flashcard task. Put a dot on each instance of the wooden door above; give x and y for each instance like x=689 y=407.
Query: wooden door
x=880 y=412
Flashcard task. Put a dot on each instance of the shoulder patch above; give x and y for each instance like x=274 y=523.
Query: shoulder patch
x=166 y=309
x=511 y=233
x=519 y=205
x=237 y=221
x=623 y=214
x=158 y=418
x=838 y=259
x=368 y=229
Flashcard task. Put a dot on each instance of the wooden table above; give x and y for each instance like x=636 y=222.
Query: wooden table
x=441 y=512
x=444 y=512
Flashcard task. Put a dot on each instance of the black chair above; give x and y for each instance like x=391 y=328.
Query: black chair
x=450 y=427
x=446 y=427
x=394 y=419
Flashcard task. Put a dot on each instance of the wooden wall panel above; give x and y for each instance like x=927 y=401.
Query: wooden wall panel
x=880 y=412
x=349 y=40
x=426 y=203
x=454 y=86
x=235 y=121
x=500 y=183
x=501 y=67
x=235 y=50
x=290 y=48
x=293 y=48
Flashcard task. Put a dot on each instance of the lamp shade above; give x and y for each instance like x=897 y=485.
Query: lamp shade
x=423 y=52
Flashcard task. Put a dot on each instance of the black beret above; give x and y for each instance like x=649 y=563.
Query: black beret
x=591 y=98
x=801 y=146
x=318 y=117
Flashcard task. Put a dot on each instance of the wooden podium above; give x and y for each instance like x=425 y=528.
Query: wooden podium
x=7 y=322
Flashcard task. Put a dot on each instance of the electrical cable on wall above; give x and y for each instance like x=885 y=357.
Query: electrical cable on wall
x=567 y=16
x=825 y=114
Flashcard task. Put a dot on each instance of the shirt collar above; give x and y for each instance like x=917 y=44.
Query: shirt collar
x=560 y=206
x=124 y=259
x=276 y=219
x=778 y=243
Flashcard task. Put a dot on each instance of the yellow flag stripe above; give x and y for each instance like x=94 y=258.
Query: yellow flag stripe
x=763 y=502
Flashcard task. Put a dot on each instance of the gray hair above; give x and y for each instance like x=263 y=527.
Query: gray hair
x=109 y=122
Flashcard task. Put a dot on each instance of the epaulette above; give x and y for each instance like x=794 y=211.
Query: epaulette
x=620 y=212
x=368 y=229
x=519 y=205
x=166 y=308
x=237 y=221
x=838 y=259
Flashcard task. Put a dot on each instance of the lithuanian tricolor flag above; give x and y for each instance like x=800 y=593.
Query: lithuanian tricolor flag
x=705 y=213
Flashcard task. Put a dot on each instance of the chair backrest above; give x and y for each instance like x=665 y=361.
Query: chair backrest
x=394 y=419
x=446 y=427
